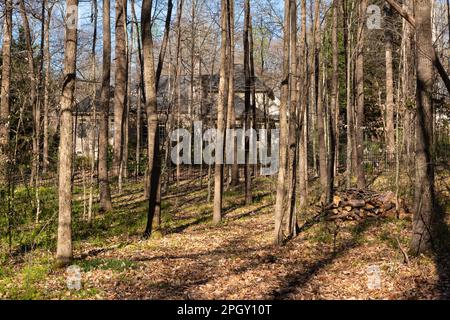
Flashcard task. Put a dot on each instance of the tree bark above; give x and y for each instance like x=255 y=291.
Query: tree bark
x=154 y=169
x=281 y=186
x=359 y=109
x=303 y=116
x=47 y=59
x=247 y=173
x=231 y=115
x=120 y=84
x=33 y=93
x=293 y=124
x=105 y=191
x=424 y=181
x=5 y=93
x=333 y=162
x=64 y=243
x=390 y=134
x=221 y=105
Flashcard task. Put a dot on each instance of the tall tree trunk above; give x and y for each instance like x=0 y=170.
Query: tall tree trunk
x=221 y=106
x=5 y=93
x=303 y=116
x=320 y=123
x=103 y=143
x=359 y=109
x=93 y=129
x=247 y=174
x=64 y=244
x=281 y=183
x=33 y=92
x=154 y=170
x=156 y=223
x=424 y=181
x=120 y=84
x=231 y=115
x=390 y=134
x=293 y=129
x=348 y=41
x=47 y=59
x=333 y=162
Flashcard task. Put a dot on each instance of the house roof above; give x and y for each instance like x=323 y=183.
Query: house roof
x=209 y=84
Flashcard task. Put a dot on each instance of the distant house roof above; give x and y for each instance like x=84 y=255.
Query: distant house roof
x=205 y=85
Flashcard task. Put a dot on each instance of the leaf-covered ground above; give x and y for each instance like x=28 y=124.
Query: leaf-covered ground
x=235 y=260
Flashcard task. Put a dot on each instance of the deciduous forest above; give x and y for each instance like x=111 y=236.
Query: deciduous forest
x=225 y=149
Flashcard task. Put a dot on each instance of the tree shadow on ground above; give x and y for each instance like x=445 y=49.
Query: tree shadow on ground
x=178 y=229
x=298 y=279
x=248 y=213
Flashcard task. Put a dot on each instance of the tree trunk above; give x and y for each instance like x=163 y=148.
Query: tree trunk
x=281 y=186
x=348 y=41
x=424 y=180
x=120 y=84
x=221 y=105
x=103 y=143
x=47 y=59
x=5 y=93
x=247 y=174
x=64 y=243
x=154 y=169
x=293 y=129
x=231 y=115
x=303 y=116
x=390 y=134
x=334 y=104
x=323 y=165
x=93 y=129
x=359 y=109
x=33 y=92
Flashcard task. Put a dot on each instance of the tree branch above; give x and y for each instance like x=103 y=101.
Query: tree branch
x=434 y=57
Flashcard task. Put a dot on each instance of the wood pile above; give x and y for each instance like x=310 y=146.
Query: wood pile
x=355 y=204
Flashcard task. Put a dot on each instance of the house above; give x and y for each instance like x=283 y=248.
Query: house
x=201 y=105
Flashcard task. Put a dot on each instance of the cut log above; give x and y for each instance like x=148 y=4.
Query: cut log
x=354 y=203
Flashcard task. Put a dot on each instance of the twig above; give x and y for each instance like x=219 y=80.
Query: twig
x=405 y=255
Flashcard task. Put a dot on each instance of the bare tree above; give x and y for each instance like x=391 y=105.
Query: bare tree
x=390 y=134
x=154 y=169
x=424 y=210
x=105 y=191
x=247 y=80
x=64 y=244
x=359 y=101
x=281 y=183
x=120 y=84
x=33 y=91
x=5 y=92
x=334 y=104
x=221 y=107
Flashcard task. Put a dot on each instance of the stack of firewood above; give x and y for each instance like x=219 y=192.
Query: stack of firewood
x=354 y=204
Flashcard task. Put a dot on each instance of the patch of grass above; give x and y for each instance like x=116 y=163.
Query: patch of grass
x=25 y=285
x=322 y=234
x=387 y=238
x=85 y=294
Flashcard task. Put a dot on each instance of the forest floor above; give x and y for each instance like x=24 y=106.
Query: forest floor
x=235 y=260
